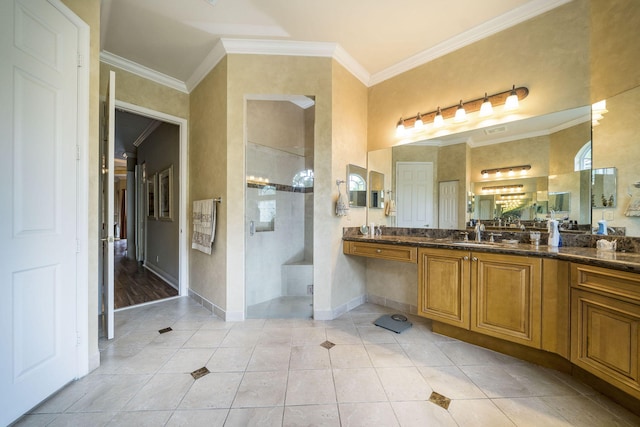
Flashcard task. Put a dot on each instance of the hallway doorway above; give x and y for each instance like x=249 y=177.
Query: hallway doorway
x=134 y=284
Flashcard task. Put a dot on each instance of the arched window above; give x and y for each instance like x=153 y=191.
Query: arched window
x=303 y=179
x=583 y=158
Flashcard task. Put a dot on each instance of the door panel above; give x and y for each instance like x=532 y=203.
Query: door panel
x=414 y=188
x=38 y=125
x=108 y=143
x=448 y=204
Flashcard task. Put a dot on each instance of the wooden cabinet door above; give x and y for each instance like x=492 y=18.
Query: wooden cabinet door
x=443 y=291
x=505 y=297
x=604 y=339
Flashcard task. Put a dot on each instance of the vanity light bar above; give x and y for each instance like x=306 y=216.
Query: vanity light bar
x=510 y=170
x=510 y=188
x=515 y=94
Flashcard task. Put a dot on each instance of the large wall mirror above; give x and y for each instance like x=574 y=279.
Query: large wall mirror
x=557 y=147
x=616 y=153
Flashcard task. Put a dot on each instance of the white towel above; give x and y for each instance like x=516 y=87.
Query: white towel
x=204 y=225
x=342 y=204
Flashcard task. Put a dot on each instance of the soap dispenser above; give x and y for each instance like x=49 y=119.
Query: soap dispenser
x=554 y=233
x=602 y=227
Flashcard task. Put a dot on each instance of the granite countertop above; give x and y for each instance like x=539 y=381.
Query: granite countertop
x=626 y=261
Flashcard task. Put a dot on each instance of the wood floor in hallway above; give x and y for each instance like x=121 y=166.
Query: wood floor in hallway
x=133 y=283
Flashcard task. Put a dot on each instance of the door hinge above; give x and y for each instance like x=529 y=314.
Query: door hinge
x=77 y=246
x=77 y=152
x=78 y=338
x=80 y=60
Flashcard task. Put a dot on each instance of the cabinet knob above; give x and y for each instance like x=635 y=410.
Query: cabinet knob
x=466 y=258
x=378 y=251
x=474 y=258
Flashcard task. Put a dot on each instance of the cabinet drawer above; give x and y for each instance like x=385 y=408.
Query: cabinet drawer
x=619 y=284
x=382 y=251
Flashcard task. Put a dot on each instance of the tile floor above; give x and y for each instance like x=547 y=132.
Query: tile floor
x=285 y=307
x=274 y=372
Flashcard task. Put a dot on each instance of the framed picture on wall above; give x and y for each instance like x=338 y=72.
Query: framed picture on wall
x=165 y=194
x=152 y=211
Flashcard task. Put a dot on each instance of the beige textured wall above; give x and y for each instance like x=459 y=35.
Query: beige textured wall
x=529 y=151
x=349 y=145
x=565 y=144
x=89 y=12
x=254 y=74
x=548 y=54
x=277 y=124
x=208 y=168
x=145 y=93
x=615 y=51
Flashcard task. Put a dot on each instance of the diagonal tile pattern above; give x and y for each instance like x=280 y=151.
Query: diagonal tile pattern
x=275 y=372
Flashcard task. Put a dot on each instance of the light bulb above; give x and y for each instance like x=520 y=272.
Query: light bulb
x=461 y=115
x=512 y=100
x=400 y=130
x=419 y=124
x=438 y=120
x=486 y=109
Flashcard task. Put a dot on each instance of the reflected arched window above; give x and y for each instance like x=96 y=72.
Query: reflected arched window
x=303 y=179
x=356 y=183
x=583 y=158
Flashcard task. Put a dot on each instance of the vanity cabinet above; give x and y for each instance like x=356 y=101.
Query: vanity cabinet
x=493 y=294
x=605 y=325
x=506 y=293
x=444 y=290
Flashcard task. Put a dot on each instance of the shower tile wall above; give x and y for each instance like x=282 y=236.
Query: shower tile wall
x=268 y=251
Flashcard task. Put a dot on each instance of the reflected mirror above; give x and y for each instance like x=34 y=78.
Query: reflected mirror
x=376 y=190
x=603 y=188
x=560 y=202
x=357 y=185
x=556 y=146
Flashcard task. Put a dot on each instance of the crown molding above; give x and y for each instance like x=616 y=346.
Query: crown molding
x=142 y=71
x=276 y=47
x=491 y=27
x=208 y=63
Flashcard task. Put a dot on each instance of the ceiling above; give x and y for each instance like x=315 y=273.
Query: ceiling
x=374 y=39
x=174 y=41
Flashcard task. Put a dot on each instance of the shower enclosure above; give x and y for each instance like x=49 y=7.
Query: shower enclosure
x=279 y=209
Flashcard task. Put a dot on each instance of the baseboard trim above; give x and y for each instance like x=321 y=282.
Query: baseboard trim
x=94 y=361
x=340 y=310
x=231 y=316
x=166 y=277
x=386 y=302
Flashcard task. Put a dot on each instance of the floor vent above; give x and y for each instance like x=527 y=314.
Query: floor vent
x=440 y=400
x=199 y=373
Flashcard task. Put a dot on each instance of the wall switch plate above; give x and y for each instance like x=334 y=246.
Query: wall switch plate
x=608 y=215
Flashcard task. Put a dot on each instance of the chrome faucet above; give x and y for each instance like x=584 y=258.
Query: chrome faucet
x=479 y=228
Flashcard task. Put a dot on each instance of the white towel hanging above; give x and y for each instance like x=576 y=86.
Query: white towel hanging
x=342 y=203
x=204 y=225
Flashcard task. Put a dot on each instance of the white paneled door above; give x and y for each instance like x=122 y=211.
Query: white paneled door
x=448 y=204
x=38 y=182
x=414 y=193
x=108 y=220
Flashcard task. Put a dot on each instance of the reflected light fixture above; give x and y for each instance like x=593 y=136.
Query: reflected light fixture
x=510 y=170
x=484 y=105
x=461 y=115
x=512 y=100
x=486 y=109
x=438 y=120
